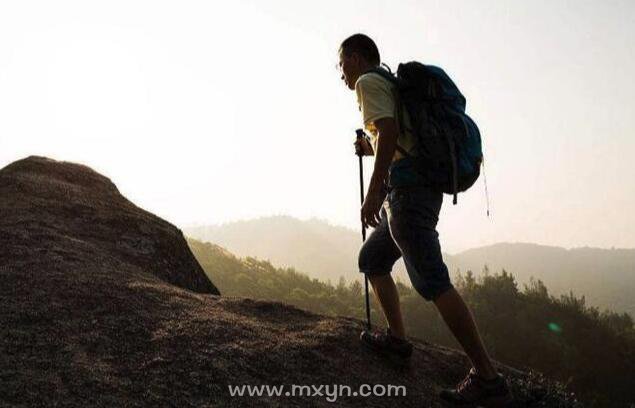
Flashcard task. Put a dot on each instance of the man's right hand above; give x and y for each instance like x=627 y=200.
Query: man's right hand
x=363 y=147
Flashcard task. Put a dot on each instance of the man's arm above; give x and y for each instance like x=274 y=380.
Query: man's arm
x=386 y=145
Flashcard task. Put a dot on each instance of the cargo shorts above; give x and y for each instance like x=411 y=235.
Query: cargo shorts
x=409 y=216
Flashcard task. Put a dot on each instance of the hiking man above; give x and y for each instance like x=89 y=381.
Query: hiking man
x=404 y=212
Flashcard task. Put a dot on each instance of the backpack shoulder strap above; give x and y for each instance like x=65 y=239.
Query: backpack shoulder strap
x=390 y=77
x=384 y=74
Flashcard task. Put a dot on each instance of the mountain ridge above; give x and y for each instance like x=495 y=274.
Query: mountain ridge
x=605 y=276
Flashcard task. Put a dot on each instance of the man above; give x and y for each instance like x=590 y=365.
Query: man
x=404 y=212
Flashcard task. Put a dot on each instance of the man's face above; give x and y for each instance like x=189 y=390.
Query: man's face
x=349 y=67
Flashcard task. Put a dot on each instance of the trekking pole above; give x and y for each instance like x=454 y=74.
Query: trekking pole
x=360 y=135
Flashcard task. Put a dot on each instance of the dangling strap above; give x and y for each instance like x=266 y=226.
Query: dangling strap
x=399 y=120
x=485 y=181
x=455 y=181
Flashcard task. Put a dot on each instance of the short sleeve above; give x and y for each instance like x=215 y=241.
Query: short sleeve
x=375 y=98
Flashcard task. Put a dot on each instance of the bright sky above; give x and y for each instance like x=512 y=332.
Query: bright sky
x=207 y=112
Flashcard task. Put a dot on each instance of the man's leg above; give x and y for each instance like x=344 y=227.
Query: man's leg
x=386 y=292
x=459 y=319
x=482 y=386
x=412 y=218
x=376 y=259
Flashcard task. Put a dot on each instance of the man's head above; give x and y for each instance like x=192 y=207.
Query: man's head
x=358 y=54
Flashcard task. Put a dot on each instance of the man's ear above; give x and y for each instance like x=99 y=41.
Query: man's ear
x=355 y=57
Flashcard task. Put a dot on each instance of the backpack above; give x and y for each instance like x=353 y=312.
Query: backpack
x=448 y=148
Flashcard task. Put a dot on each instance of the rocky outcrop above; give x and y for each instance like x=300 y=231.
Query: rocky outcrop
x=103 y=305
x=58 y=215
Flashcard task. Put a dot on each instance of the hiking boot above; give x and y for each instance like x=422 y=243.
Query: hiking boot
x=475 y=391
x=387 y=344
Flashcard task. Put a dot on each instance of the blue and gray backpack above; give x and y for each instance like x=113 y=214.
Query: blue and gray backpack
x=448 y=150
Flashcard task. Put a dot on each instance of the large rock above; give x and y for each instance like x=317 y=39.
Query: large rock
x=103 y=305
x=58 y=215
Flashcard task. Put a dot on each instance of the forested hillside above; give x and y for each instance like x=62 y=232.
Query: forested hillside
x=525 y=327
x=606 y=277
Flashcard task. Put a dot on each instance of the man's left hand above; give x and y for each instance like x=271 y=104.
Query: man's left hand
x=371 y=207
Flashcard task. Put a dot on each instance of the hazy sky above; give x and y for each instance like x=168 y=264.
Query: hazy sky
x=206 y=112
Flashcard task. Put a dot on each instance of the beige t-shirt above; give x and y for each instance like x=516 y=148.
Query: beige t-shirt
x=376 y=99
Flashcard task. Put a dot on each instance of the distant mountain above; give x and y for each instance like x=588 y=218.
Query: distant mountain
x=605 y=276
x=321 y=250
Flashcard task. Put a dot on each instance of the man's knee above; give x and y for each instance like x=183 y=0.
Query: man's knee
x=372 y=262
x=431 y=283
x=432 y=293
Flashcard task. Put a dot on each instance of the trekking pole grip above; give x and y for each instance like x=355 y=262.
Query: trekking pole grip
x=360 y=135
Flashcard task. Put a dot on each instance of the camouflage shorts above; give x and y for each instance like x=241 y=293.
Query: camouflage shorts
x=409 y=216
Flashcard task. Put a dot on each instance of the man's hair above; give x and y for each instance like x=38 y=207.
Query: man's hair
x=363 y=45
